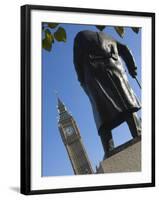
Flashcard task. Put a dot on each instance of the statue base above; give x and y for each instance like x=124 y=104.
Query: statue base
x=124 y=158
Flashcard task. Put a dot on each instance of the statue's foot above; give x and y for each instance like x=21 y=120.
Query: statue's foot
x=107 y=154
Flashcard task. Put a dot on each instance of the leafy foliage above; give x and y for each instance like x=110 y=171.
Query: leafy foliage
x=60 y=35
x=49 y=35
x=52 y=32
x=46 y=45
x=119 y=29
x=48 y=40
x=135 y=29
x=52 y=25
x=100 y=27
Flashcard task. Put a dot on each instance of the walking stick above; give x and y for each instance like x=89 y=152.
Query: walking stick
x=138 y=82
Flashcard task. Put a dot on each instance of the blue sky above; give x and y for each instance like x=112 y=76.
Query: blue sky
x=58 y=74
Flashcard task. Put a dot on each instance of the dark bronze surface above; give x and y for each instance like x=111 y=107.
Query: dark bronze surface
x=97 y=60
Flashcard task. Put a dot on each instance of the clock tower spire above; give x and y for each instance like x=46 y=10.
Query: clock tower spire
x=72 y=140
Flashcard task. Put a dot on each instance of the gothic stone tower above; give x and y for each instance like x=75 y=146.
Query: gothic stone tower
x=72 y=140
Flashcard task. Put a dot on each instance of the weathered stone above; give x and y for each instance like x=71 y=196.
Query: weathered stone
x=125 y=158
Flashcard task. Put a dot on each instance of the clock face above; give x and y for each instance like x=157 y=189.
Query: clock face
x=69 y=130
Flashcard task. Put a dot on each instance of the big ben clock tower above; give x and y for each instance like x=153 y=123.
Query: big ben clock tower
x=72 y=140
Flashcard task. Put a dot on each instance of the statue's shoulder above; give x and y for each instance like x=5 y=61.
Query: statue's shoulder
x=87 y=34
x=87 y=37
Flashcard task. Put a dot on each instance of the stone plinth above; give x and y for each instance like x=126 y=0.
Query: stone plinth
x=125 y=158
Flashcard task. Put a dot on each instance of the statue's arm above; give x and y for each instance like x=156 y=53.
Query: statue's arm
x=127 y=56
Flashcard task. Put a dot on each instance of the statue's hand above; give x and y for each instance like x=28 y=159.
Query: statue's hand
x=133 y=72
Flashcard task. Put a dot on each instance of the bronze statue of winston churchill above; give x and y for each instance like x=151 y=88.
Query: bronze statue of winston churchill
x=97 y=60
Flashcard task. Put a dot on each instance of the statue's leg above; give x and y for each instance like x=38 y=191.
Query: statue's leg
x=134 y=124
x=107 y=141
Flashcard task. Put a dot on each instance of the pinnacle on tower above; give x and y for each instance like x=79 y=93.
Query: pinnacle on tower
x=62 y=110
x=60 y=105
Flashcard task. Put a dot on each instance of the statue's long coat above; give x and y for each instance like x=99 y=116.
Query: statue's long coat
x=97 y=60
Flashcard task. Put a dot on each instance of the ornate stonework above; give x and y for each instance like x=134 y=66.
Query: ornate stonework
x=72 y=140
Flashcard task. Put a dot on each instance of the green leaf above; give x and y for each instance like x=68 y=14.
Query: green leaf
x=119 y=30
x=60 y=35
x=135 y=29
x=48 y=40
x=100 y=27
x=46 y=44
x=49 y=36
x=52 y=25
